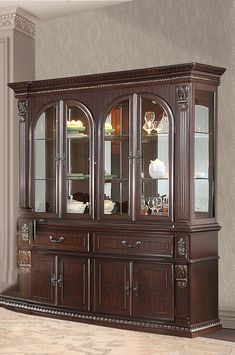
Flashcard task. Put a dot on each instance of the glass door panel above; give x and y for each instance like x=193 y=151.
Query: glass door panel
x=116 y=163
x=154 y=128
x=44 y=162
x=78 y=146
x=204 y=151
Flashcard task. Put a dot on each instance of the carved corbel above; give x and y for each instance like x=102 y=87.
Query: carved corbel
x=181 y=275
x=24 y=260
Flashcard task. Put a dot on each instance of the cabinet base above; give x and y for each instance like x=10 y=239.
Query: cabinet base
x=138 y=325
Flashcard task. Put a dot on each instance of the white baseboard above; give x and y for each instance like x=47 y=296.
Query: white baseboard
x=227 y=317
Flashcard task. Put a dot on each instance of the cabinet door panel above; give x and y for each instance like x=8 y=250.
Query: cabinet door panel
x=43 y=286
x=112 y=287
x=73 y=282
x=153 y=290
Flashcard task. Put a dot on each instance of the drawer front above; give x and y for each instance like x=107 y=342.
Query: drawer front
x=132 y=245
x=62 y=240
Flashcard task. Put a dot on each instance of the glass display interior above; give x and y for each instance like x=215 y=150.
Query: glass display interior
x=78 y=161
x=204 y=151
x=116 y=164
x=154 y=128
x=44 y=162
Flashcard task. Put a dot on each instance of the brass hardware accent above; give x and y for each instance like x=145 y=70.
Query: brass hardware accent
x=22 y=109
x=124 y=242
x=60 y=281
x=53 y=240
x=181 y=246
x=127 y=288
x=57 y=159
x=53 y=280
x=181 y=275
x=136 y=289
x=25 y=232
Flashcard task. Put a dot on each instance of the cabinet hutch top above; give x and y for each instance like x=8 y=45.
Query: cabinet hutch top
x=188 y=72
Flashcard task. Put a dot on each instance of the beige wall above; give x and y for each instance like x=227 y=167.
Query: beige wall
x=147 y=33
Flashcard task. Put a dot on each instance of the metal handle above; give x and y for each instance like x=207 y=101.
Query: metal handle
x=53 y=280
x=60 y=281
x=136 y=289
x=53 y=240
x=127 y=288
x=124 y=242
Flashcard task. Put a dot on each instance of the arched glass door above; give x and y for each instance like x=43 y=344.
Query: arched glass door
x=79 y=156
x=45 y=155
x=116 y=162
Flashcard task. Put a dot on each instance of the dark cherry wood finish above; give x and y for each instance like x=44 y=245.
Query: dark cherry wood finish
x=149 y=273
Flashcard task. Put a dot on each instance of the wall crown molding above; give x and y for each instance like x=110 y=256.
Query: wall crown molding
x=18 y=19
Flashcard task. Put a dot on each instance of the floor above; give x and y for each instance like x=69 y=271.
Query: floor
x=224 y=334
x=22 y=334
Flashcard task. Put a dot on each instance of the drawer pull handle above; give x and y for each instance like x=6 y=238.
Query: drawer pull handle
x=124 y=242
x=54 y=240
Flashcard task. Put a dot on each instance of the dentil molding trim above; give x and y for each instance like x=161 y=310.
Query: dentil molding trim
x=18 y=19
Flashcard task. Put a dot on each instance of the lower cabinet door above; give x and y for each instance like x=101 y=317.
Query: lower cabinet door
x=112 y=287
x=43 y=278
x=73 y=282
x=153 y=295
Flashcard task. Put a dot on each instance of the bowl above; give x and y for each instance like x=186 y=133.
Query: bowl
x=74 y=206
x=108 y=206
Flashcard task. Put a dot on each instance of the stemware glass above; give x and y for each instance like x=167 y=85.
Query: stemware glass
x=157 y=201
x=151 y=205
x=148 y=127
x=165 y=204
x=149 y=117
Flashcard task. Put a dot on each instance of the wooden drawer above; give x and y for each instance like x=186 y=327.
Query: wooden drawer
x=62 y=240
x=134 y=245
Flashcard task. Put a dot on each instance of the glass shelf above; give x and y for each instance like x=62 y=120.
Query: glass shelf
x=78 y=177
x=151 y=179
x=44 y=179
x=45 y=139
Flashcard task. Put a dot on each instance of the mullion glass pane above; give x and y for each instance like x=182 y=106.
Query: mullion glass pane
x=204 y=151
x=44 y=162
x=78 y=161
x=155 y=159
x=116 y=164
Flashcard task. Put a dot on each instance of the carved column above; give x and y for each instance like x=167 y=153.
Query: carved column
x=17 y=30
x=182 y=153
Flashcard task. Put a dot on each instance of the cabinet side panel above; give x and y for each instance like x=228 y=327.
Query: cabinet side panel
x=204 y=291
x=203 y=244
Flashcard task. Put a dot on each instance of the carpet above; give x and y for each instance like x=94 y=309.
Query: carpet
x=31 y=335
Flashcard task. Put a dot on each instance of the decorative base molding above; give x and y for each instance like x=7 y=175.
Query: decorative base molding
x=227 y=317
x=189 y=331
x=16 y=18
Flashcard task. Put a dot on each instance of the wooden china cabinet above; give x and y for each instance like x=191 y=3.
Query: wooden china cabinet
x=117 y=222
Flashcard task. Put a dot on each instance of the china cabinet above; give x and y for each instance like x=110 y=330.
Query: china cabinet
x=117 y=221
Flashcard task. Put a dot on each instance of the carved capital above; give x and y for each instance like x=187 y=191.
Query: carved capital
x=181 y=275
x=182 y=92
x=182 y=246
x=182 y=95
x=22 y=109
